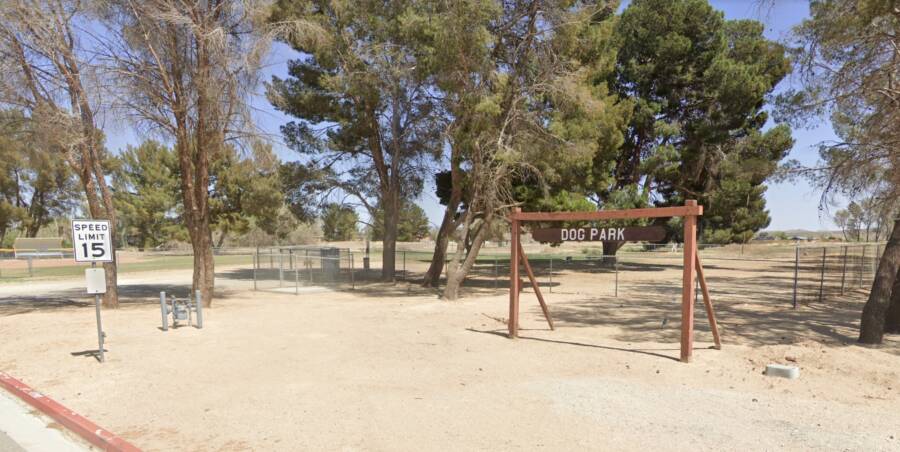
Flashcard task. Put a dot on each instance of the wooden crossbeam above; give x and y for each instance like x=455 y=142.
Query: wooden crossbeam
x=692 y=268
x=652 y=212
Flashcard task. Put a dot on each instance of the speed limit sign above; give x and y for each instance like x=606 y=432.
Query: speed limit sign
x=91 y=240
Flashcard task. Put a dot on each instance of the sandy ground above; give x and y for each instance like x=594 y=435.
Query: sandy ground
x=393 y=368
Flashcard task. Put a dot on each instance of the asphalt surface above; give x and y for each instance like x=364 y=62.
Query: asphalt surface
x=22 y=430
x=8 y=445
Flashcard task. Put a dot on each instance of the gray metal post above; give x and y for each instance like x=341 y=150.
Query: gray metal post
x=844 y=271
x=100 y=334
x=280 y=270
x=550 y=286
x=875 y=261
x=497 y=275
x=404 y=265
x=796 y=273
x=352 y=271
x=30 y=268
x=164 y=311
x=198 y=305
x=616 y=264
x=296 y=280
x=255 y=262
x=822 y=277
x=862 y=266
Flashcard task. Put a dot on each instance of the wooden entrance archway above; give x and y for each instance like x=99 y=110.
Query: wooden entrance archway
x=692 y=267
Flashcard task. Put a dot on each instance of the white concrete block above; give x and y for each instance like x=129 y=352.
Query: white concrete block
x=780 y=370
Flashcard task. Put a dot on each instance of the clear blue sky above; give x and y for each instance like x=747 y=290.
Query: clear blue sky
x=792 y=205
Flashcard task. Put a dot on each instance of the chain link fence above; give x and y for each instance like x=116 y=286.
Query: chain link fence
x=289 y=269
x=825 y=272
x=782 y=274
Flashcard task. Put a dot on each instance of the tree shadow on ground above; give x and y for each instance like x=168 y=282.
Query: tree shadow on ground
x=745 y=313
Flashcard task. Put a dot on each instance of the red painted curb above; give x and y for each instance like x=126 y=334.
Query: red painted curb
x=71 y=420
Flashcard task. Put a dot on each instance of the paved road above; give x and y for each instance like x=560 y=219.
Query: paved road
x=8 y=445
x=135 y=284
x=21 y=430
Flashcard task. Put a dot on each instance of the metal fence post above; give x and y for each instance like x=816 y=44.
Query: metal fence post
x=296 y=278
x=164 y=311
x=198 y=299
x=404 y=265
x=30 y=268
x=255 y=263
x=352 y=271
x=496 y=274
x=862 y=266
x=550 y=286
x=875 y=262
x=280 y=270
x=796 y=273
x=822 y=277
x=616 y=263
x=844 y=271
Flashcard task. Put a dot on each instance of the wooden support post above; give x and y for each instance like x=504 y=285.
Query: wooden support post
x=514 y=277
x=707 y=301
x=687 y=284
x=534 y=284
x=692 y=268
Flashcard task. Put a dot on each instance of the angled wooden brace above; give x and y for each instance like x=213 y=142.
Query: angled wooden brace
x=534 y=284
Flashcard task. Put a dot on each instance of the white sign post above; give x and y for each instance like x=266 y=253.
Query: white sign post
x=92 y=243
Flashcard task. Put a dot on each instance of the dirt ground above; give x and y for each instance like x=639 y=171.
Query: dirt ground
x=391 y=367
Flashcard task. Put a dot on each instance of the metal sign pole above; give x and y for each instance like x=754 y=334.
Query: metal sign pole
x=92 y=242
x=100 y=334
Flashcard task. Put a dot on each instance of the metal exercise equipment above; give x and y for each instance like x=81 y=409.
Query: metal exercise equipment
x=181 y=311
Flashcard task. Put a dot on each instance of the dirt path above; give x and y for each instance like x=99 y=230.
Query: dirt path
x=383 y=369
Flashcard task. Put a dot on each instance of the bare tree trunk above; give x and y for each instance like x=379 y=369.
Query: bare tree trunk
x=611 y=248
x=389 y=242
x=892 y=317
x=457 y=271
x=209 y=268
x=433 y=275
x=221 y=240
x=872 y=325
x=448 y=225
x=458 y=274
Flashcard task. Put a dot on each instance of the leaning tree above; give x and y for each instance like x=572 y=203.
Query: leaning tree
x=848 y=55
x=186 y=72
x=48 y=71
